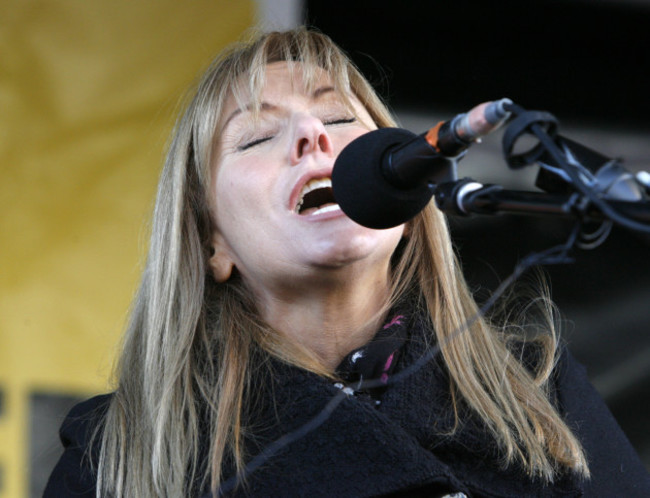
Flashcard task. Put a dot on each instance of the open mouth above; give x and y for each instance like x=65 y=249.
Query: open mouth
x=316 y=197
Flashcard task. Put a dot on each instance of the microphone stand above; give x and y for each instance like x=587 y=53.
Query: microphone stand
x=465 y=197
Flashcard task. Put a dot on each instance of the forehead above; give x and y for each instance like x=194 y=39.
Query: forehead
x=294 y=77
x=281 y=79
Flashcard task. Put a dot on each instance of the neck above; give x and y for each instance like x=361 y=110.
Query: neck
x=331 y=318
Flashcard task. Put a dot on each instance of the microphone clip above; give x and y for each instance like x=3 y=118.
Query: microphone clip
x=417 y=163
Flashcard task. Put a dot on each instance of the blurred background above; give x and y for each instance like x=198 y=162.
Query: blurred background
x=88 y=96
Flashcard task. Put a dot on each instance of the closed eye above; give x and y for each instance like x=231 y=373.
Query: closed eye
x=253 y=143
x=259 y=141
x=340 y=121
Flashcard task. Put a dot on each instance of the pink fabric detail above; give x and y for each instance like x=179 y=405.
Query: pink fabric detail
x=396 y=320
x=389 y=361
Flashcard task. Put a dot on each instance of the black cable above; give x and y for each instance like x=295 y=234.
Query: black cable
x=555 y=255
x=284 y=440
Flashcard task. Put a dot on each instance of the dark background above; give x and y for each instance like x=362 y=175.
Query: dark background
x=583 y=61
x=580 y=59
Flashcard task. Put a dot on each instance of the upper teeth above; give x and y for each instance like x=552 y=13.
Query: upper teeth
x=313 y=184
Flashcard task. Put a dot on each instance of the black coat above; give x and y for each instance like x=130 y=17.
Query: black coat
x=395 y=448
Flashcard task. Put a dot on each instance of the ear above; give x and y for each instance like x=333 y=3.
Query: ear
x=220 y=262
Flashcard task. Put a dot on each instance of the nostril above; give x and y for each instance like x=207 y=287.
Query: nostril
x=303 y=146
x=323 y=143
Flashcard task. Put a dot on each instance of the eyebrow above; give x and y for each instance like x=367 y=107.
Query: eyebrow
x=316 y=94
x=321 y=91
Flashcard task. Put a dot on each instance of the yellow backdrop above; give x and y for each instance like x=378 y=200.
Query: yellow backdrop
x=88 y=90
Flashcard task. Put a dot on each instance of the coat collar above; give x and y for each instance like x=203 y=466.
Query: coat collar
x=365 y=450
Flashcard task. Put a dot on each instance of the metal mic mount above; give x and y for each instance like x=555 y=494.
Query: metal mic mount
x=466 y=196
x=574 y=180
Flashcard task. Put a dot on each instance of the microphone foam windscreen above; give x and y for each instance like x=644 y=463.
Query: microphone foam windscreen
x=361 y=188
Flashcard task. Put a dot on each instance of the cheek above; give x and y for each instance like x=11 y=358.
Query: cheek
x=346 y=137
x=235 y=187
x=242 y=199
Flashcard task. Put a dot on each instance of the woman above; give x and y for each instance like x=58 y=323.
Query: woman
x=261 y=300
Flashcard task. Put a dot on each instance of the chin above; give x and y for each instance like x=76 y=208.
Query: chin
x=369 y=246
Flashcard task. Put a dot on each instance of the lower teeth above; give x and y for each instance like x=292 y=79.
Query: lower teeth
x=327 y=209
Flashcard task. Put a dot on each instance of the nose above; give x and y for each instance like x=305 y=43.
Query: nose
x=310 y=136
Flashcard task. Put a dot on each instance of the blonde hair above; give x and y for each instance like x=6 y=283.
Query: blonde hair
x=187 y=349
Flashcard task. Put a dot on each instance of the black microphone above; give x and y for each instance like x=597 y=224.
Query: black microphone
x=384 y=178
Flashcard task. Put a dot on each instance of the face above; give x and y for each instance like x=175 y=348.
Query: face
x=276 y=220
